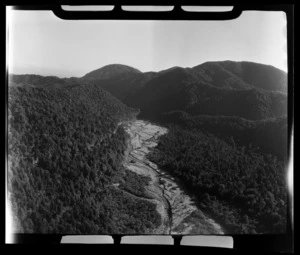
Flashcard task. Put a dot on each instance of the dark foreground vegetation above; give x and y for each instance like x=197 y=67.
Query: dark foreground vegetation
x=65 y=153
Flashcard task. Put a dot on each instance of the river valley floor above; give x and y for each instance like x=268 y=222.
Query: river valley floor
x=178 y=210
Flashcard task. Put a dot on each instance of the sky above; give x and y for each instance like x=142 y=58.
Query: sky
x=41 y=43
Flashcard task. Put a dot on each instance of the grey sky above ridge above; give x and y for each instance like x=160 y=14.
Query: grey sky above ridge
x=40 y=43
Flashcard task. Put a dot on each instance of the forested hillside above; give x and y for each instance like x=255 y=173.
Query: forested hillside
x=33 y=80
x=242 y=75
x=123 y=87
x=258 y=75
x=65 y=153
x=173 y=92
x=244 y=89
x=244 y=190
x=265 y=136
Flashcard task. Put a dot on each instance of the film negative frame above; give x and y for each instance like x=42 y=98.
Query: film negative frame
x=241 y=242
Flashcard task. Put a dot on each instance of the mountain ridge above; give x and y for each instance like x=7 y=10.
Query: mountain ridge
x=228 y=74
x=110 y=71
x=244 y=89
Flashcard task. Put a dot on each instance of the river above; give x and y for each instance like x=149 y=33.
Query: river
x=178 y=210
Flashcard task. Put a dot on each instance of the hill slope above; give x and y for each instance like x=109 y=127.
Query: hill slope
x=244 y=89
x=65 y=153
x=176 y=90
x=242 y=75
x=217 y=76
x=260 y=76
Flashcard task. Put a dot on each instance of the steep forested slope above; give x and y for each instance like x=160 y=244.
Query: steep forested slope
x=65 y=152
x=244 y=190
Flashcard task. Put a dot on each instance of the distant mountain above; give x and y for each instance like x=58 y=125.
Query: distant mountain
x=244 y=89
x=124 y=87
x=216 y=75
x=33 y=80
x=243 y=74
x=222 y=74
x=261 y=76
x=237 y=75
x=177 y=89
x=171 y=89
x=111 y=71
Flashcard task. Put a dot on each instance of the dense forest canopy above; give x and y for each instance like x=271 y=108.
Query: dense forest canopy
x=266 y=136
x=243 y=189
x=65 y=153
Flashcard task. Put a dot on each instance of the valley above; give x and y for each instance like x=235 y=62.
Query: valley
x=175 y=206
x=207 y=154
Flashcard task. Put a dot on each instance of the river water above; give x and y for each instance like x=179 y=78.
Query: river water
x=178 y=211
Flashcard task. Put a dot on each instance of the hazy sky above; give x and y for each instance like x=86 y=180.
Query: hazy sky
x=41 y=43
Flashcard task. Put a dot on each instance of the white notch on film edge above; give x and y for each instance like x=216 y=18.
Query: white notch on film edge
x=208 y=241
x=157 y=240
x=147 y=8
x=88 y=7
x=102 y=239
x=207 y=8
